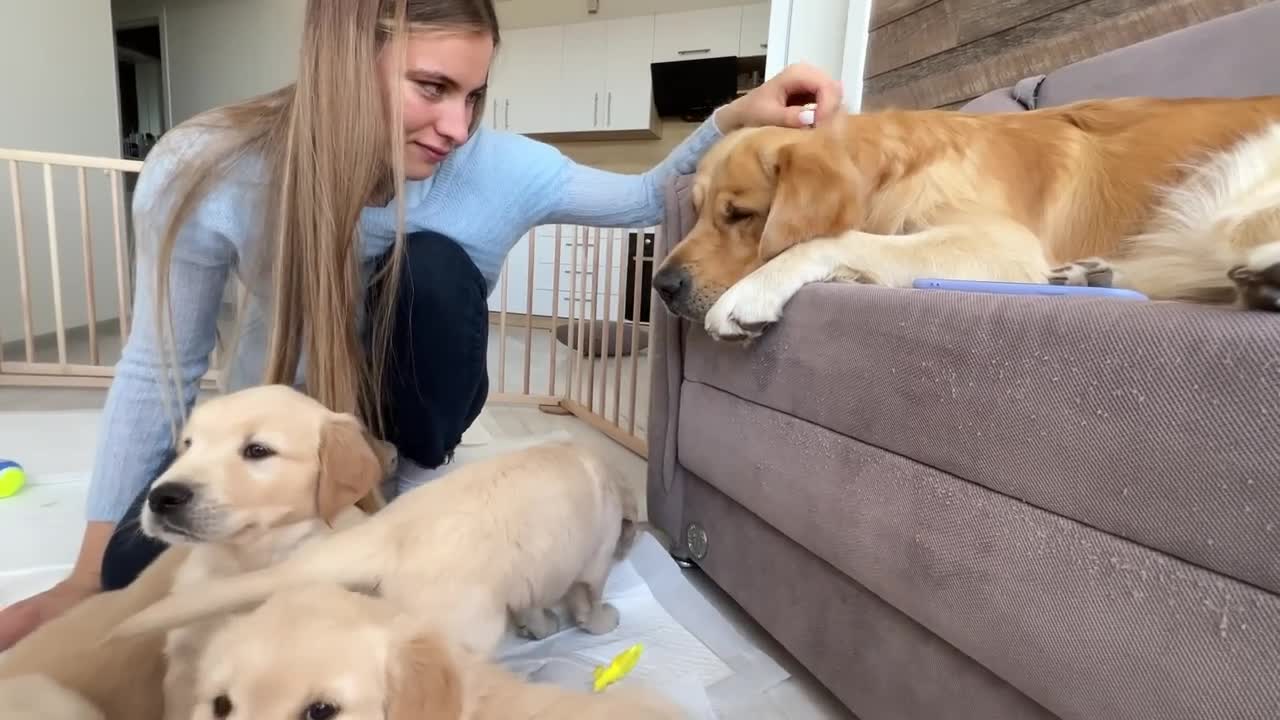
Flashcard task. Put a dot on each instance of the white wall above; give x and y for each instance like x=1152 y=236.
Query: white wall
x=532 y=13
x=830 y=34
x=204 y=70
x=59 y=95
x=221 y=51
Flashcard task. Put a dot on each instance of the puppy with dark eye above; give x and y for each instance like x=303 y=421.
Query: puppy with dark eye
x=325 y=653
x=257 y=474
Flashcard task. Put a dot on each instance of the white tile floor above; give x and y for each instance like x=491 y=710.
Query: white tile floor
x=51 y=432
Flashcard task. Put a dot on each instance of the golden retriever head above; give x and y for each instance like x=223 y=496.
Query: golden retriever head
x=758 y=192
x=325 y=653
x=258 y=460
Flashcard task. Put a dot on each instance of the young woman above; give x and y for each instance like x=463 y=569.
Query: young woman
x=368 y=213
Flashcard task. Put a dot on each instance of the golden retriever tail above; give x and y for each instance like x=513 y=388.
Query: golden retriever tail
x=633 y=523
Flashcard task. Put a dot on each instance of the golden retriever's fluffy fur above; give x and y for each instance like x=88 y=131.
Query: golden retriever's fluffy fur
x=1176 y=198
x=322 y=651
x=518 y=534
x=257 y=474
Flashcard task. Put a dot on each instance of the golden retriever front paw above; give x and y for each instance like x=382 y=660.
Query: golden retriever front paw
x=1258 y=283
x=602 y=619
x=1093 y=272
x=745 y=311
x=537 y=623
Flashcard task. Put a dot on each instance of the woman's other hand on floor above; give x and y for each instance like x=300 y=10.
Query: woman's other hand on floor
x=21 y=619
x=781 y=99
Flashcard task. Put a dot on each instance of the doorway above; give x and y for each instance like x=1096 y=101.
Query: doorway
x=140 y=75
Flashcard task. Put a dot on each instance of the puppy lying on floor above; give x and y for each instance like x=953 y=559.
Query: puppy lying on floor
x=322 y=652
x=257 y=473
x=516 y=534
x=1178 y=199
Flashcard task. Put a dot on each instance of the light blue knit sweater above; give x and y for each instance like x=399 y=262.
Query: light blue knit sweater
x=486 y=195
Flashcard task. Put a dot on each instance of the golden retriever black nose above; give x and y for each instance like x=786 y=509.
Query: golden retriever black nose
x=671 y=284
x=169 y=498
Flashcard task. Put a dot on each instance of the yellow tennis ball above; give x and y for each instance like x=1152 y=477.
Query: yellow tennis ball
x=12 y=478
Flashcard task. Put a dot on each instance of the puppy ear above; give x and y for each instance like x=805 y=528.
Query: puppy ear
x=818 y=192
x=350 y=469
x=425 y=681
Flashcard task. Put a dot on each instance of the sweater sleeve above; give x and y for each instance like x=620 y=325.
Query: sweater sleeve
x=581 y=195
x=134 y=436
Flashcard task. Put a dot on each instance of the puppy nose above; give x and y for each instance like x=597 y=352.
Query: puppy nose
x=169 y=498
x=670 y=283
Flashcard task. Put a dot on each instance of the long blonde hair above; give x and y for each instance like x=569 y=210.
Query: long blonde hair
x=327 y=145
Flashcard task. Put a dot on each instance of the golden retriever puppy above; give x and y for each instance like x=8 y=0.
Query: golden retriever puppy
x=322 y=652
x=1176 y=198
x=67 y=664
x=257 y=473
x=514 y=534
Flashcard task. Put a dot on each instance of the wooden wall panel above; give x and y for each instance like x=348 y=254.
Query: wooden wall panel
x=943 y=53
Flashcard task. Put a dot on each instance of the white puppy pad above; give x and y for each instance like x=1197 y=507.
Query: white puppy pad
x=41 y=526
x=692 y=654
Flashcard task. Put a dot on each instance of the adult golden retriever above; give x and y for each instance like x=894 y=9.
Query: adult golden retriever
x=511 y=535
x=323 y=652
x=257 y=474
x=1176 y=198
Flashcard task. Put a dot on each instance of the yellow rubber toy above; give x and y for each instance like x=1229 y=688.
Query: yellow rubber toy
x=606 y=675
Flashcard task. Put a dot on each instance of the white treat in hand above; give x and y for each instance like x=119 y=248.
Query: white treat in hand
x=808 y=114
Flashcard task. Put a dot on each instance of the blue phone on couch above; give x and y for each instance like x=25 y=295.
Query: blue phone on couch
x=1012 y=288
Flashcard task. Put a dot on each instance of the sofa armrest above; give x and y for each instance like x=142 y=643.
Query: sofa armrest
x=666 y=368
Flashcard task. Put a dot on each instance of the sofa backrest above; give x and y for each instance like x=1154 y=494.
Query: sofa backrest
x=1229 y=56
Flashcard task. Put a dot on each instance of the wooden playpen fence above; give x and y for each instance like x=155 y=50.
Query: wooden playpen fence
x=569 y=318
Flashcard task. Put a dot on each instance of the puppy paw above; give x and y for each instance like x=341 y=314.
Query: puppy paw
x=1257 y=288
x=602 y=619
x=1093 y=272
x=745 y=311
x=537 y=623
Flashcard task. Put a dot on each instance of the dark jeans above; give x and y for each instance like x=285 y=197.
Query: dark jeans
x=435 y=387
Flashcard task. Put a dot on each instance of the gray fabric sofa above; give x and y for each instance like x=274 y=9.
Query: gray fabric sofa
x=988 y=507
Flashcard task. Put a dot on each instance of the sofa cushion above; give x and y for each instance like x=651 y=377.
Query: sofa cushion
x=1090 y=626
x=1155 y=422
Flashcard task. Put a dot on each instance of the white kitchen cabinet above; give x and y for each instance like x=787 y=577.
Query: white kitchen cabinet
x=606 y=83
x=575 y=306
x=628 y=97
x=604 y=277
x=697 y=34
x=527 y=78
x=516 y=293
x=584 y=77
x=754 y=38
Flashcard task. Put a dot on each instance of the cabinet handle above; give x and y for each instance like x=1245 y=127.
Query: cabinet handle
x=495 y=113
x=595 y=112
x=699 y=51
x=764 y=46
x=506 y=117
x=609 y=110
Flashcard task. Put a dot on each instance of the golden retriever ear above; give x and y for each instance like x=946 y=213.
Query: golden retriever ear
x=425 y=682
x=350 y=468
x=818 y=192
